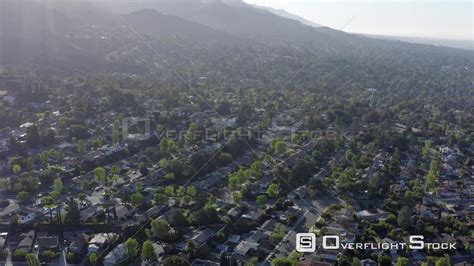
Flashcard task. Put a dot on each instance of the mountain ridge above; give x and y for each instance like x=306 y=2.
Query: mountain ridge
x=33 y=32
x=286 y=14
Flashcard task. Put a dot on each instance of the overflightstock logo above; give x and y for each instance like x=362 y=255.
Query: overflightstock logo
x=136 y=128
x=305 y=242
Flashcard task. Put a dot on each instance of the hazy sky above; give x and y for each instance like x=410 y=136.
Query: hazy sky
x=434 y=19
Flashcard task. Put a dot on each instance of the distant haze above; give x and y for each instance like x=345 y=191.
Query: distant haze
x=427 y=19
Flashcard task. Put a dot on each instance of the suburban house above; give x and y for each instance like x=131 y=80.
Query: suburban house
x=116 y=256
x=47 y=243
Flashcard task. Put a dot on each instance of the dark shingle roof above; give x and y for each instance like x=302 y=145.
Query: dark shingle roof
x=47 y=242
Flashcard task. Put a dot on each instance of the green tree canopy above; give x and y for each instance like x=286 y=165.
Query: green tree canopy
x=23 y=197
x=175 y=261
x=402 y=261
x=272 y=190
x=404 y=217
x=58 y=185
x=261 y=200
x=100 y=175
x=131 y=245
x=148 y=252
x=159 y=228
x=73 y=214
x=93 y=259
x=32 y=260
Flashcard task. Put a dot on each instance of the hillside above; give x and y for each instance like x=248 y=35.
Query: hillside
x=85 y=36
x=285 y=14
x=160 y=26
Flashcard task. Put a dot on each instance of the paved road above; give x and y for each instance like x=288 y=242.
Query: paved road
x=62 y=258
x=8 y=261
x=313 y=210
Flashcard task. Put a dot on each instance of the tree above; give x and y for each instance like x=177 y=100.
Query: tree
x=294 y=257
x=277 y=235
x=443 y=262
x=190 y=136
x=237 y=178
x=44 y=157
x=55 y=195
x=58 y=185
x=14 y=221
x=49 y=137
x=99 y=130
x=234 y=182
x=47 y=200
x=429 y=261
x=426 y=149
x=78 y=131
x=384 y=260
x=115 y=136
x=431 y=180
x=272 y=190
x=169 y=191
x=93 y=259
x=301 y=172
x=16 y=168
x=71 y=257
x=253 y=261
x=82 y=197
x=148 y=251
x=81 y=146
x=186 y=200
x=180 y=191
x=73 y=214
x=143 y=169
x=5 y=184
x=47 y=255
x=223 y=107
x=178 y=219
x=225 y=158
x=115 y=170
x=191 y=191
x=237 y=196
x=131 y=245
x=394 y=164
x=377 y=183
x=170 y=176
x=27 y=182
x=261 y=200
x=30 y=162
x=167 y=146
x=99 y=142
x=256 y=169
x=137 y=198
x=49 y=203
x=23 y=197
x=404 y=217
x=355 y=261
x=280 y=147
x=163 y=163
x=176 y=167
x=206 y=215
x=100 y=176
x=176 y=261
x=282 y=262
x=432 y=177
x=160 y=228
x=32 y=136
x=160 y=198
x=402 y=261
x=20 y=254
x=32 y=260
